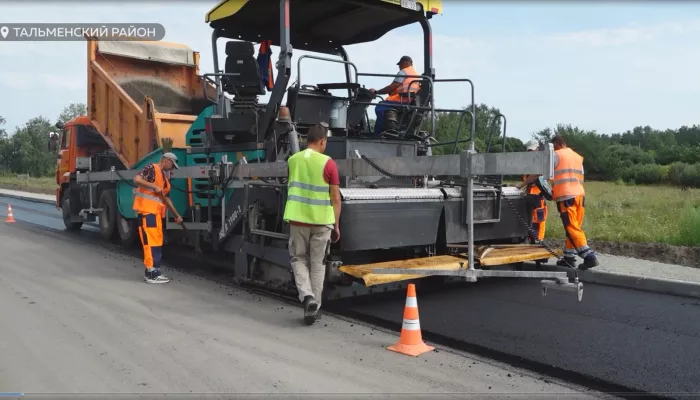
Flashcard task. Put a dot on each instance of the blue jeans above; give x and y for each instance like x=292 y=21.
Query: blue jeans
x=380 y=109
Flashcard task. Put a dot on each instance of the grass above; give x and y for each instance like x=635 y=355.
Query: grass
x=45 y=185
x=643 y=214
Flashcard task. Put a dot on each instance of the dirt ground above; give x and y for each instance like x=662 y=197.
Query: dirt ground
x=664 y=253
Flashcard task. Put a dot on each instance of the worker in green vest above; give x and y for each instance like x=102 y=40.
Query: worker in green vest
x=313 y=212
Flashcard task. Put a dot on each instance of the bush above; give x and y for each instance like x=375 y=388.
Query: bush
x=646 y=174
x=628 y=174
x=689 y=227
x=675 y=171
x=649 y=174
x=690 y=177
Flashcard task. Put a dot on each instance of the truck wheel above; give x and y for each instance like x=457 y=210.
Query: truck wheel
x=65 y=210
x=127 y=230
x=108 y=215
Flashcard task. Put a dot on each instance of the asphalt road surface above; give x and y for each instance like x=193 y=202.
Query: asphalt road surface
x=639 y=340
x=77 y=318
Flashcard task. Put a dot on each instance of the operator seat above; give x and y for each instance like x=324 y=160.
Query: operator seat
x=246 y=83
x=409 y=120
x=239 y=124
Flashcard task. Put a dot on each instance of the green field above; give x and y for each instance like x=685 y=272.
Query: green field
x=46 y=185
x=614 y=212
x=641 y=214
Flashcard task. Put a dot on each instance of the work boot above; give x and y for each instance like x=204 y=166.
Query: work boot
x=567 y=262
x=310 y=310
x=589 y=262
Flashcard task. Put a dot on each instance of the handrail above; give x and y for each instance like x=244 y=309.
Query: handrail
x=459 y=129
x=298 y=83
x=493 y=127
x=471 y=84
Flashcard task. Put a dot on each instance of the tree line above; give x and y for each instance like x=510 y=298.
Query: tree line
x=641 y=155
x=25 y=151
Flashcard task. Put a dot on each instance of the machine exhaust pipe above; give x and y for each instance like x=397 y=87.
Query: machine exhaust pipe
x=292 y=134
x=293 y=140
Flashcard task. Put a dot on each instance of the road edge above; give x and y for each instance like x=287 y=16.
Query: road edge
x=637 y=282
x=27 y=198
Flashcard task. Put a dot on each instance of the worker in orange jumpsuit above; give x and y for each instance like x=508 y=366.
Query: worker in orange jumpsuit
x=150 y=201
x=539 y=214
x=568 y=193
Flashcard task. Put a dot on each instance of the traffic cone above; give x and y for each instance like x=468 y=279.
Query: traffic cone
x=411 y=340
x=10 y=218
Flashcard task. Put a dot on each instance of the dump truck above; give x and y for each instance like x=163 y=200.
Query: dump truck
x=408 y=215
x=139 y=93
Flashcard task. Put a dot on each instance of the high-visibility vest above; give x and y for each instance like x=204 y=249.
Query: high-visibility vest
x=308 y=196
x=532 y=188
x=568 y=175
x=405 y=87
x=147 y=201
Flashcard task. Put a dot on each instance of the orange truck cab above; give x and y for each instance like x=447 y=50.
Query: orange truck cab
x=78 y=138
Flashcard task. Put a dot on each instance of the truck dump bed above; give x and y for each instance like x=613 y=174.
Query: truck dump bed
x=141 y=92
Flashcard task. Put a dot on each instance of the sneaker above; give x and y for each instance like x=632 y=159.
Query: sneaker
x=567 y=262
x=157 y=279
x=589 y=262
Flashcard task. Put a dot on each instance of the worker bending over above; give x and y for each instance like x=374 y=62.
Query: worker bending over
x=539 y=214
x=313 y=212
x=150 y=200
x=568 y=193
x=400 y=88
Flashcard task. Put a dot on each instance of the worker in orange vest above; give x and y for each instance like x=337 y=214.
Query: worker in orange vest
x=539 y=214
x=150 y=200
x=568 y=193
x=399 y=92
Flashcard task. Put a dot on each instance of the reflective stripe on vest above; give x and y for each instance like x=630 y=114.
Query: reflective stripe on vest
x=568 y=175
x=147 y=196
x=405 y=87
x=308 y=196
x=147 y=201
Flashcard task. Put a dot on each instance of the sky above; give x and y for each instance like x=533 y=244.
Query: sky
x=604 y=66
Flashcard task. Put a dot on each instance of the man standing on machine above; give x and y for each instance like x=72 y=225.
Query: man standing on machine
x=568 y=193
x=150 y=200
x=401 y=86
x=313 y=212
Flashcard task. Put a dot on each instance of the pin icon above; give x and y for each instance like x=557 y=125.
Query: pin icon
x=4 y=31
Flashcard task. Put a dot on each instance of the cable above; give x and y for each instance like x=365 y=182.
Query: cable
x=387 y=174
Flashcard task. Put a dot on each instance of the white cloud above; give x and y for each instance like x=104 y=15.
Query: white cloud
x=628 y=35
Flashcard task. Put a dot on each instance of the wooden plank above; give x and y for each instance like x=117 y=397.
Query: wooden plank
x=486 y=252
x=437 y=263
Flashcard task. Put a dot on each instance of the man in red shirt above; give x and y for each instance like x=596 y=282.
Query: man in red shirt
x=313 y=212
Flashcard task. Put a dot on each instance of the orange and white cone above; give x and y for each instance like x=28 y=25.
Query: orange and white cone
x=411 y=340
x=10 y=218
